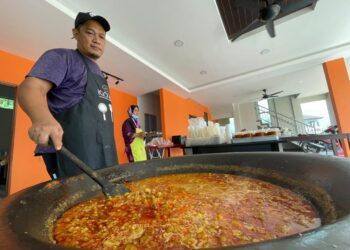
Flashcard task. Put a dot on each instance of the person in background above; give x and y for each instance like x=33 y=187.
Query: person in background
x=134 y=136
x=67 y=99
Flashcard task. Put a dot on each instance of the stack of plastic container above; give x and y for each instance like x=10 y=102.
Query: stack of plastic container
x=199 y=133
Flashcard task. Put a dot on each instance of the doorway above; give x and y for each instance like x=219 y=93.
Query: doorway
x=7 y=107
x=149 y=116
x=150 y=123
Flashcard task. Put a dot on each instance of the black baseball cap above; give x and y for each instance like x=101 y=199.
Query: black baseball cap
x=83 y=17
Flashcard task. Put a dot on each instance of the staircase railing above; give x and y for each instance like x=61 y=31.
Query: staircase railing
x=271 y=118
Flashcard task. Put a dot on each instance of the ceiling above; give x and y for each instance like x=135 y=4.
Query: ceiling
x=208 y=68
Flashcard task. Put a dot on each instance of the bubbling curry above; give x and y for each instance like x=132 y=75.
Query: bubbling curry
x=187 y=211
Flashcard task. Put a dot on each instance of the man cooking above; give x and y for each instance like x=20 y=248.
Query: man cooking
x=68 y=101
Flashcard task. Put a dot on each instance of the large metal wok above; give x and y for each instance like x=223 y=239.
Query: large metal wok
x=26 y=218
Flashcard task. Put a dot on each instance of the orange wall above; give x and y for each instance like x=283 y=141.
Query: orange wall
x=25 y=169
x=175 y=112
x=339 y=89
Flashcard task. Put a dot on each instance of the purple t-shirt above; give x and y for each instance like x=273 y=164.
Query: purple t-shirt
x=66 y=70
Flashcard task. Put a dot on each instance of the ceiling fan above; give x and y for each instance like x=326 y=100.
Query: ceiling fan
x=242 y=16
x=267 y=96
x=267 y=15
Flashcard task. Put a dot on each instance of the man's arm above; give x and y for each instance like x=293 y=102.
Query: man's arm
x=32 y=98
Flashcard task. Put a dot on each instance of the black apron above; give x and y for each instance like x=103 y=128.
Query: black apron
x=88 y=128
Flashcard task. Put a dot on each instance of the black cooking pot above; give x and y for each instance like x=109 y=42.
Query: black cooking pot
x=26 y=218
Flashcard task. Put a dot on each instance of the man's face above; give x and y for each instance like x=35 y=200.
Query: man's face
x=91 y=39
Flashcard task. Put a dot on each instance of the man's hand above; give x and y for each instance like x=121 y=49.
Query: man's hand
x=41 y=132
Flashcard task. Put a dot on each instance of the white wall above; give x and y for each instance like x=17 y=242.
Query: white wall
x=221 y=112
x=284 y=106
x=289 y=107
x=245 y=116
x=243 y=113
x=298 y=113
x=284 y=109
x=313 y=98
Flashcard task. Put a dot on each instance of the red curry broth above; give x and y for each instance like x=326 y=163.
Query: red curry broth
x=187 y=211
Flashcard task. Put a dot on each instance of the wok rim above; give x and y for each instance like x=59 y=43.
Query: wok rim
x=328 y=236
